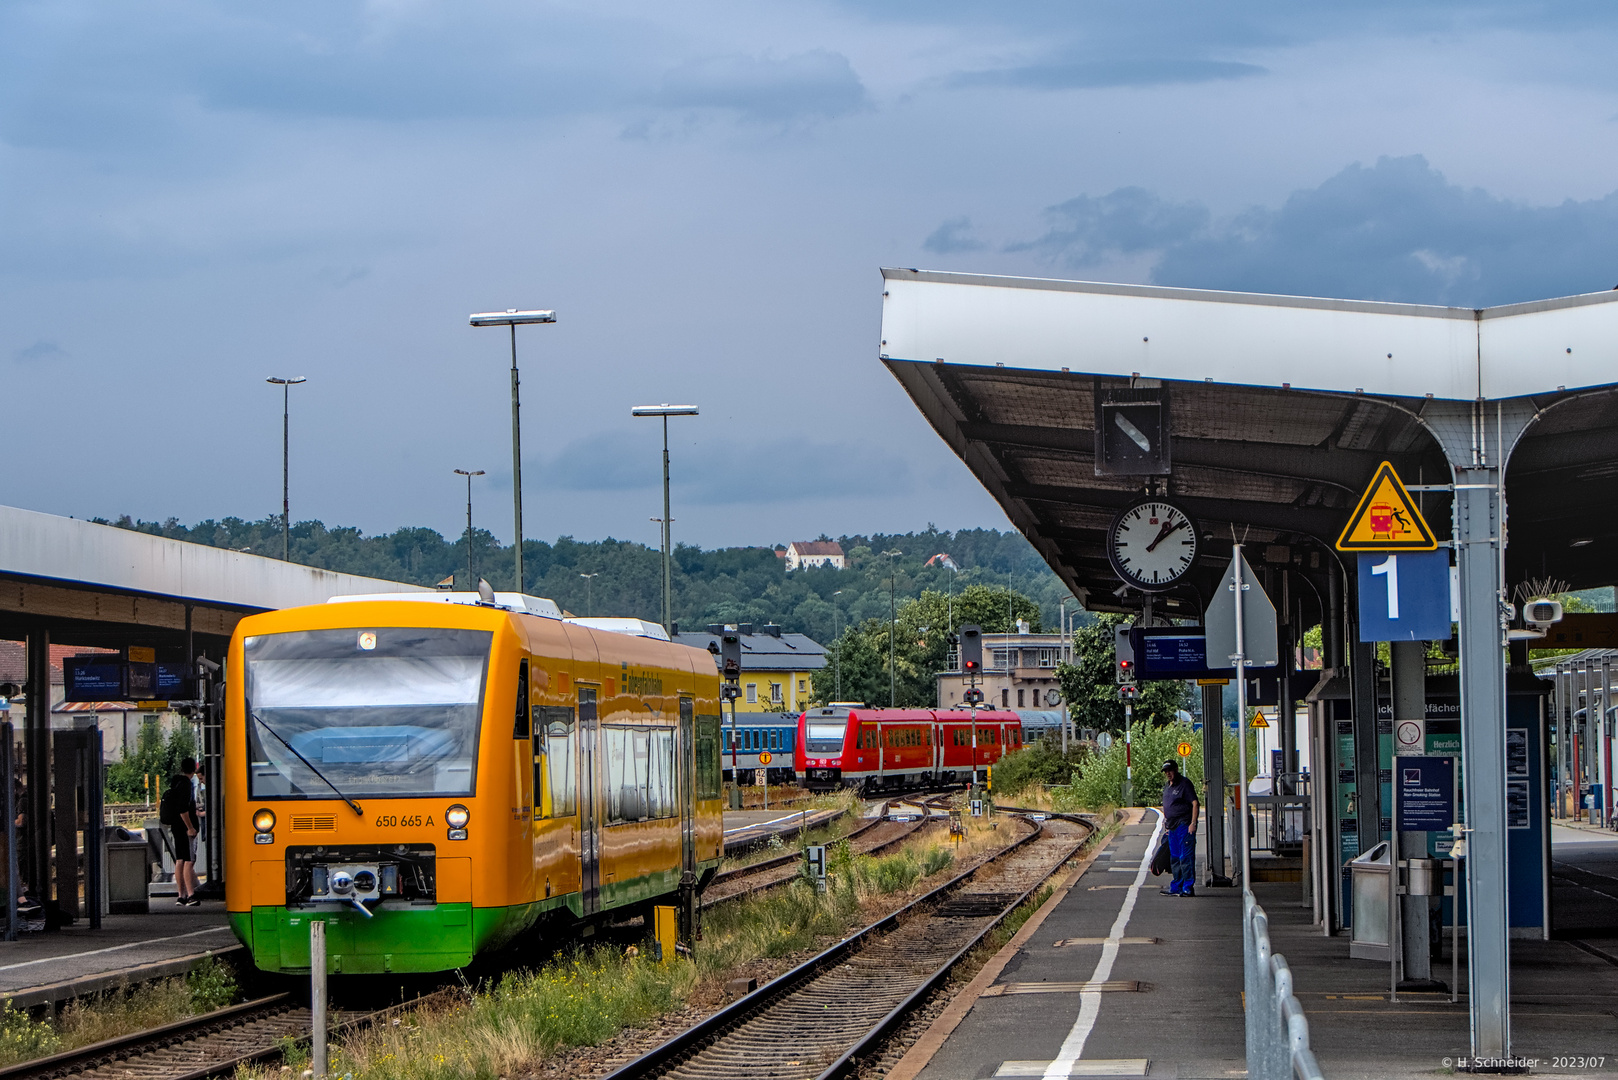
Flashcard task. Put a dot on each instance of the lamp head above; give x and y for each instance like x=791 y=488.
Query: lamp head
x=663 y=410
x=511 y=317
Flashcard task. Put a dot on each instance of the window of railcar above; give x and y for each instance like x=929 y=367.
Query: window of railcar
x=555 y=774
x=384 y=711
x=640 y=773
x=707 y=754
x=775 y=738
x=824 y=738
x=519 y=728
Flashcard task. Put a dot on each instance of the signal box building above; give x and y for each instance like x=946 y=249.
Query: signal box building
x=1019 y=672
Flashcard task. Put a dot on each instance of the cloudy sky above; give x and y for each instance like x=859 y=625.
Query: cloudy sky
x=195 y=195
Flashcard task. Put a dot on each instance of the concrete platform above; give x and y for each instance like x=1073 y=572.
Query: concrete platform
x=1108 y=987
x=47 y=967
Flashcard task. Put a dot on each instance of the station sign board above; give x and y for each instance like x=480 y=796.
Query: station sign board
x=1404 y=597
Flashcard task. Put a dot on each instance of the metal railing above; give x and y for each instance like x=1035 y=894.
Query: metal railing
x=1277 y=1030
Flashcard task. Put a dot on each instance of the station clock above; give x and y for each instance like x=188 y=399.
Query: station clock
x=1152 y=544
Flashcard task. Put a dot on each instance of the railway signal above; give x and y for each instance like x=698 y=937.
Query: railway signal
x=972 y=650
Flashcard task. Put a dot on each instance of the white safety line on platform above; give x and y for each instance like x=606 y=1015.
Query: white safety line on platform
x=1093 y=1067
x=114 y=948
x=1067 y=1059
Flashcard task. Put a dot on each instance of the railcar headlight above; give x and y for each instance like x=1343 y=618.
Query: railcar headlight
x=264 y=820
x=457 y=816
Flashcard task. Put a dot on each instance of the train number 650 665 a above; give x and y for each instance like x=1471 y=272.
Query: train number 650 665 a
x=388 y=820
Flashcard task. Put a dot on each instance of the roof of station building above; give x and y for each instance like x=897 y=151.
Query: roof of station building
x=1281 y=410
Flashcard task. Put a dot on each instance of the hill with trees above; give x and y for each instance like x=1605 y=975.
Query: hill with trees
x=736 y=584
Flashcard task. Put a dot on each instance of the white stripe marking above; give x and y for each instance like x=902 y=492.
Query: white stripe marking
x=114 y=948
x=1090 y=1003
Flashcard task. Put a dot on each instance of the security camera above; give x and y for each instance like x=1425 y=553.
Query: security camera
x=1542 y=612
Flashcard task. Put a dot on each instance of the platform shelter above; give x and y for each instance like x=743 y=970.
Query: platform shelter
x=1276 y=412
x=65 y=581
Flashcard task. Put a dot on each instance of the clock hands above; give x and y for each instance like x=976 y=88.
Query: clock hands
x=1169 y=527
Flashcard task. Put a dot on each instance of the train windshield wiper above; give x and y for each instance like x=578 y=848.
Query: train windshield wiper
x=307 y=763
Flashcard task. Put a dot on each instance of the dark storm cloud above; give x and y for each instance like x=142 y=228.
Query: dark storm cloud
x=953 y=236
x=40 y=352
x=1397 y=230
x=767 y=470
x=815 y=85
x=1099 y=73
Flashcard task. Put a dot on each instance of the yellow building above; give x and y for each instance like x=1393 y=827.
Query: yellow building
x=776 y=667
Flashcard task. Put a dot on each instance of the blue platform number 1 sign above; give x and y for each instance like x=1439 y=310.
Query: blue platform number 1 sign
x=1404 y=596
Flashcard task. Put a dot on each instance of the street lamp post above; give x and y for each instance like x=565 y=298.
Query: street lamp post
x=286 y=386
x=513 y=318
x=893 y=622
x=666 y=410
x=590 y=591
x=471 y=572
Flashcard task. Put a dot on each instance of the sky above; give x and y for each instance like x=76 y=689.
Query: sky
x=197 y=195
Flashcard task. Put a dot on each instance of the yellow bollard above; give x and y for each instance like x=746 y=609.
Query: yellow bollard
x=665 y=930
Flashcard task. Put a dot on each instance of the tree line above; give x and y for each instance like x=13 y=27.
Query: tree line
x=711 y=585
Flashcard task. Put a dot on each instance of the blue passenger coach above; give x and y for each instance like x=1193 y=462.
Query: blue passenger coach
x=756 y=733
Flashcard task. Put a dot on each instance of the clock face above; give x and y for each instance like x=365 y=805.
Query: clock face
x=1152 y=544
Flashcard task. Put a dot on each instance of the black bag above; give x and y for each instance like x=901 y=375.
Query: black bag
x=1162 y=860
x=176 y=801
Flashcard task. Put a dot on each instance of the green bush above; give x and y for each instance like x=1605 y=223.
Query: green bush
x=212 y=985
x=1038 y=763
x=936 y=859
x=154 y=754
x=1100 y=780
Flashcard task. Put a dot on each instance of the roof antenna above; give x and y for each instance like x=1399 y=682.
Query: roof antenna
x=485 y=593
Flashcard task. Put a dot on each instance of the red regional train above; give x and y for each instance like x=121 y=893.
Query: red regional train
x=877 y=749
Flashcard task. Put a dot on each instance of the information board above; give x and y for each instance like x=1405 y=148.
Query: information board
x=1426 y=793
x=93 y=678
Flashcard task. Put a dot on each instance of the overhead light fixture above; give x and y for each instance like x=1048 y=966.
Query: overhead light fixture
x=1581 y=541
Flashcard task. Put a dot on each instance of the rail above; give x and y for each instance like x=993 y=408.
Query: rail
x=1277 y=1030
x=695 y=1040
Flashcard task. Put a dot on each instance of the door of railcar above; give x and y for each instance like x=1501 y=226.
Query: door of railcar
x=589 y=821
x=688 y=788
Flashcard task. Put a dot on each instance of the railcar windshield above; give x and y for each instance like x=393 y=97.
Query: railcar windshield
x=391 y=711
x=825 y=738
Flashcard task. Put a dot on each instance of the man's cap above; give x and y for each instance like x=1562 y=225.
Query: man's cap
x=1171 y=766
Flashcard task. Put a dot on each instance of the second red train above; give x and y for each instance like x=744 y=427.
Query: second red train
x=891 y=749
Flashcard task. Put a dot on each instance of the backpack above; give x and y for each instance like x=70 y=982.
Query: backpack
x=176 y=800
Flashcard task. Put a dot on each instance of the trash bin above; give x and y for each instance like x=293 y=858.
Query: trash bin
x=1424 y=877
x=1369 y=939
x=127 y=869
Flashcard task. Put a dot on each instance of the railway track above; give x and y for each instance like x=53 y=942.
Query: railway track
x=817 y=1021
x=875 y=835
x=211 y=1045
x=216 y=1044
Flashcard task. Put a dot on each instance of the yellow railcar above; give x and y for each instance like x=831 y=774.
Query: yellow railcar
x=432 y=775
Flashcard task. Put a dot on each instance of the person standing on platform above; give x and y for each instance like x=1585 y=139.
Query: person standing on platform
x=1180 y=809
x=179 y=813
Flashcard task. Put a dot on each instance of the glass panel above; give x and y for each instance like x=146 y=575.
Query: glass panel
x=555 y=766
x=390 y=711
x=825 y=738
x=708 y=765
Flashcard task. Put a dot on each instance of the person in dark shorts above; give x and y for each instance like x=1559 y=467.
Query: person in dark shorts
x=179 y=814
x=1180 y=809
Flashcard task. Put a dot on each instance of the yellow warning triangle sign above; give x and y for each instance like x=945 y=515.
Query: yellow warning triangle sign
x=1258 y=720
x=1386 y=518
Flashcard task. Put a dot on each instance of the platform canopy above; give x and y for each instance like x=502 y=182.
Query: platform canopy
x=93 y=584
x=1281 y=408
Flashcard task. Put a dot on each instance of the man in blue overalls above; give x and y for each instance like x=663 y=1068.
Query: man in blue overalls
x=1180 y=809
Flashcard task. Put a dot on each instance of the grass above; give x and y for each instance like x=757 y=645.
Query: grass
x=584 y=999
x=845 y=801
x=108 y=1015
